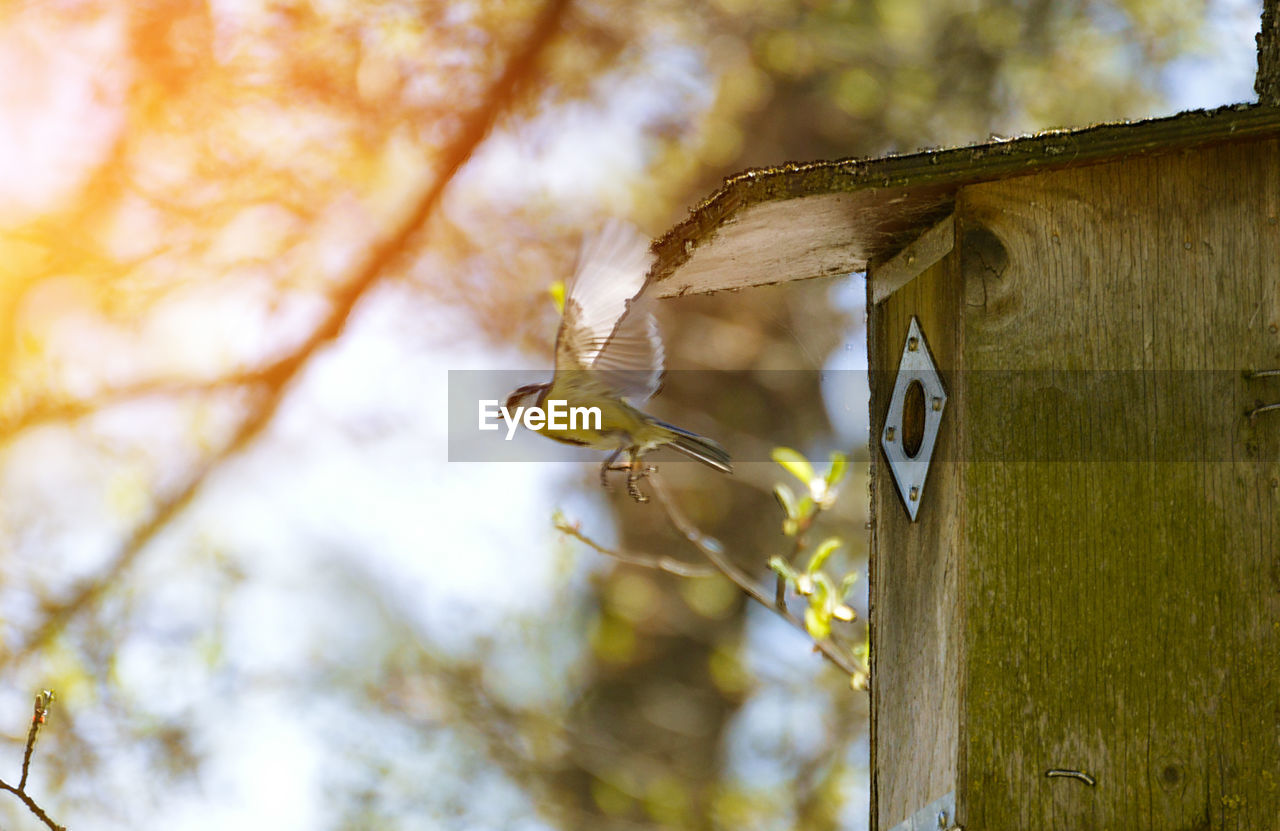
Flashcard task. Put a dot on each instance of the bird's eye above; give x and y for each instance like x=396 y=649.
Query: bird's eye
x=520 y=394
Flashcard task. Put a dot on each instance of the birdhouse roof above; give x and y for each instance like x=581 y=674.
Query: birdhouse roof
x=814 y=219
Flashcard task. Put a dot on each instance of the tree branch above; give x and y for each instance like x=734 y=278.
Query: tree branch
x=43 y=700
x=714 y=552
x=797 y=546
x=660 y=563
x=287 y=369
x=70 y=410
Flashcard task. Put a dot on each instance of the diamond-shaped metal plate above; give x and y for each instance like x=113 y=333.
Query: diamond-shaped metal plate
x=909 y=472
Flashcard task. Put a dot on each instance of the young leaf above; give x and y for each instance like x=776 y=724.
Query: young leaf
x=839 y=464
x=818 y=625
x=822 y=552
x=786 y=499
x=824 y=593
x=782 y=567
x=795 y=464
x=847 y=583
x=862 y=651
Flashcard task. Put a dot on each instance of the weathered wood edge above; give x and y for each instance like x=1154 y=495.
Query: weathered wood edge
x=876 y=382
x=1267 y=82
x=951 y=168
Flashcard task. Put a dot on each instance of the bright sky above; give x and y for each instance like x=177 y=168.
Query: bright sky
x=60 y=109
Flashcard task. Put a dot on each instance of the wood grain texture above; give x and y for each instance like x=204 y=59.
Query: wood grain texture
x=1267 y=82
x=915 y=591
x=778 y=241
x=1120 y=523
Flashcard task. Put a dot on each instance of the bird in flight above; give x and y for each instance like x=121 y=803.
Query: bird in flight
x=609 y=356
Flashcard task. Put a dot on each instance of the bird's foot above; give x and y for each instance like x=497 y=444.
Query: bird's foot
x=612 y=463
x=635 y=469
x=636 y=472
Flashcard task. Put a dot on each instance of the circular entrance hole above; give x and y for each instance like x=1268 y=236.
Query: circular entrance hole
x=913 y=419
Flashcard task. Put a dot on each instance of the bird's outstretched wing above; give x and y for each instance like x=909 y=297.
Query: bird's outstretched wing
x=607 y=326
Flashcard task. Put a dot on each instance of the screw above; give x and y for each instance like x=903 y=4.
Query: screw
x=915 y=493
x=937 y=403
x=913 y=344
x=888 y=434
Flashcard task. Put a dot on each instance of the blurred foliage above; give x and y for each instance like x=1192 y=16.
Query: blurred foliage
x=191 y=190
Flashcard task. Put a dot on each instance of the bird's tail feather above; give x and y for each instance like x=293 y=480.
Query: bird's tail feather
x=703 y=449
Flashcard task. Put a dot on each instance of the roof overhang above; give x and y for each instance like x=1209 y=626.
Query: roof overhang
x=818 y=219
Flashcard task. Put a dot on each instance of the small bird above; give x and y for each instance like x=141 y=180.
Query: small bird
x=609 y=354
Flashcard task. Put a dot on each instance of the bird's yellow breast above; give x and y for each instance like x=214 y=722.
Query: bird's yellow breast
x=591 y=416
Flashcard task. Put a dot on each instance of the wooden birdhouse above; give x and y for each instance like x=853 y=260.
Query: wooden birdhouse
x=1075 y=352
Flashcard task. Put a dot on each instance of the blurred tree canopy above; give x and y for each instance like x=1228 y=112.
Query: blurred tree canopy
x=240 y=242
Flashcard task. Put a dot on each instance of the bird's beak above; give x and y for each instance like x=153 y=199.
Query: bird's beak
x=521 y=393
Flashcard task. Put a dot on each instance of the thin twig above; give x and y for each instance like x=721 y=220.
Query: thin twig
x=72 y=409
x=32 y=806
x=43 y=700
x=714 y=552
x=660 y=563
x=802 y=527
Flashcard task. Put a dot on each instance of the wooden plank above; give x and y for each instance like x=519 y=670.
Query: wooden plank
x=906 y=265
x=914 y=614
x=1121 y=530
x=757 y=228
x=824 y=241
x=776 y=242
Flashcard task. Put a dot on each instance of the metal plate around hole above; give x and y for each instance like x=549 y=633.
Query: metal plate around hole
x=909 y=472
